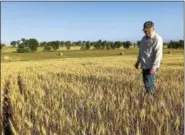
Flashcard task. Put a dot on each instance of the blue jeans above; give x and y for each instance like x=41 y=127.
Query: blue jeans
x=149 y=80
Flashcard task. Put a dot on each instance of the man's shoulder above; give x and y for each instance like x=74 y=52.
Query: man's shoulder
x=157 y=38
x=143 y=38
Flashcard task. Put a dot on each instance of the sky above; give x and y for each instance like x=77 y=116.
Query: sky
x=74 y=21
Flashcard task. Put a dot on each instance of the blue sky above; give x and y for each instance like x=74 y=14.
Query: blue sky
x=76 y=21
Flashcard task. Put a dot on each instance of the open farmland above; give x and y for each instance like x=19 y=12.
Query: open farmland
x=92 y=96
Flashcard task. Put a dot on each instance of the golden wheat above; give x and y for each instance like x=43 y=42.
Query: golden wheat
x=93 y=96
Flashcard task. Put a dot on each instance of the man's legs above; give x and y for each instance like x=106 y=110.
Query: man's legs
x=149 y=80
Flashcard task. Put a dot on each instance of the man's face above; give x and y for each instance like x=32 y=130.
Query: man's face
x=149 y=32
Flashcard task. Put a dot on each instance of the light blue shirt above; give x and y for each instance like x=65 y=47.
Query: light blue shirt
x=150 y=52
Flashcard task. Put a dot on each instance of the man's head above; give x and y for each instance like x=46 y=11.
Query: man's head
x=148 y=28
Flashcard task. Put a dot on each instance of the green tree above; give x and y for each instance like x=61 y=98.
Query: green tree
x=93 y=44
x=117 y=44
x=79 y=43
x=33 y=44
x=23 y=46
x=83 y=45
x=113 y=45
x=18 y=42
x=108 y=45
x=128 y=44
x=68 y=44
x=181 y=43
x=30 y=45
x=48 y=46
x=88 y=45
x=23 y=39
x=13 y=43
x=172 y=44
x=98 y=44
x=138 y=43
x=42 y=44
x=74 y=43
x=103 y=45
x=62 y=43
x=55 y=45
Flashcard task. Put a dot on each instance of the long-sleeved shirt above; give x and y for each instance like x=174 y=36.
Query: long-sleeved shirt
x=150 y=52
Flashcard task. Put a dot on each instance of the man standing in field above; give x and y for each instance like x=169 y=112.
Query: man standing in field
x=150 y=55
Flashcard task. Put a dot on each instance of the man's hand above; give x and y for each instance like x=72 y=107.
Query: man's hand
x=152 y=70
x=136 y=65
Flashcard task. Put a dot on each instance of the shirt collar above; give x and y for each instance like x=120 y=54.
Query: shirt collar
x=151 y=36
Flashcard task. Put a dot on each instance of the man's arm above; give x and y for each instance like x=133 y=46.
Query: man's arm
x=158 y=51
x=138 y=58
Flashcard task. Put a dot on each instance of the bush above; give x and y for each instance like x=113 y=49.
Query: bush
x=21 y=50
x=121 y=53
x=47 y=48
x=88 y=46
x=68 y=46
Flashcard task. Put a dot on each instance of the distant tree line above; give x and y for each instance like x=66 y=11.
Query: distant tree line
x=175 y=44
x=171 y=44
x=31 y=45
x=85 y=45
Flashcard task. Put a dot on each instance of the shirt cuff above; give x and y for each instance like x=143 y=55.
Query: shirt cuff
x=155 y=67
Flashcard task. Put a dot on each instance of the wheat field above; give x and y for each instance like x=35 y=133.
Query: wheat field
x=91 y=96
